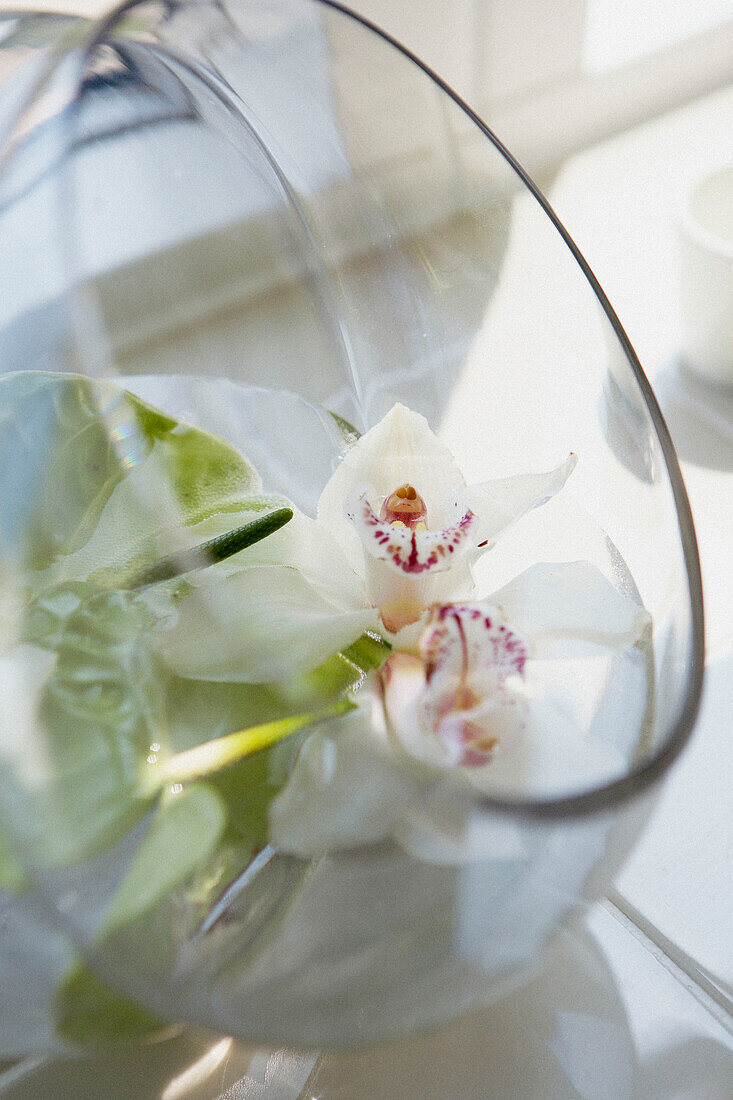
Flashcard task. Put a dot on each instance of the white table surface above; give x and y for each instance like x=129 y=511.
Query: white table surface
x=637 y=1002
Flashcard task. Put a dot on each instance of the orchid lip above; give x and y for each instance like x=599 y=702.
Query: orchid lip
x=407 y=549
x=469 y=653
x=460 y=689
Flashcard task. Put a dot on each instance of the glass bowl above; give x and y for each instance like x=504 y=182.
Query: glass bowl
x=274 y=224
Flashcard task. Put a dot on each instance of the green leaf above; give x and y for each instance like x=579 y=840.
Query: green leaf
x=248 y=768
x=201 y=710
x=117 y=464
x=347 y=432
x=183 y=834
x=212 y=756
x=11 y=874
x=45 y=618
x=368 y=652
x=207 y=474
x=101 y=712
x=214 y=550
x=112 y=715
x=140 y=490
x=90 y=1013
x=249 y=785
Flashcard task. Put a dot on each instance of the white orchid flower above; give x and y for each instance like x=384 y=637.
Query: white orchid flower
x=471 y=687
x=396 y=531
x=491 y=704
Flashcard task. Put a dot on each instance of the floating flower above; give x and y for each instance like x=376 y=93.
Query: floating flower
x=372 y=559
x=493 y=707
x=465 y=689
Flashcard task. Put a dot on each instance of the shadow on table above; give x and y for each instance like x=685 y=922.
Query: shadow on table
x=699 y=415
x=564 y=1035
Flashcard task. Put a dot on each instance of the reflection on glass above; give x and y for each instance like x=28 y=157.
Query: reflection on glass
x=277 y=759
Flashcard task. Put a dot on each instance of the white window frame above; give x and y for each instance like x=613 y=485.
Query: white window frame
x=520 y=65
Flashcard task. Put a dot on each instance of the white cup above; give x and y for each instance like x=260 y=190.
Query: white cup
x=706 y=278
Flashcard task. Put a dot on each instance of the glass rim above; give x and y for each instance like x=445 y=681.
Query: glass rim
x=638 y=779
x=608 y=795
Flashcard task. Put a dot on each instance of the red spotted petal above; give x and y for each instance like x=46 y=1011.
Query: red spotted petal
x=473 y=642
x=469 y=653
x=407 y=551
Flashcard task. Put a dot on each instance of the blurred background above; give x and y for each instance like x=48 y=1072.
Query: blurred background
x=550 y=76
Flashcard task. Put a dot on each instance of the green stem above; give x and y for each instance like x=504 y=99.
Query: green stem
x=215 y=755
x=215 y=550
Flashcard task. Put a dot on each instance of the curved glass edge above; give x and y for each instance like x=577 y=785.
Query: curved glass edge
x=606 y=796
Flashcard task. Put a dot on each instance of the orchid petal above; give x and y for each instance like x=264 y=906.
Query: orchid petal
x=402 y=680
x=571 y=599
x=445 y=826
x=457 y=584
x=553 y=758
x=603 y=690
x=259 y=625
x=471 y=642
x=490 y=729
x=346 y=790
x=400 y=448
x=305 y=545
x=499 y=504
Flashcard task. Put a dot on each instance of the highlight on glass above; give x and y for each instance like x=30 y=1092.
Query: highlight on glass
x=351 y=604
